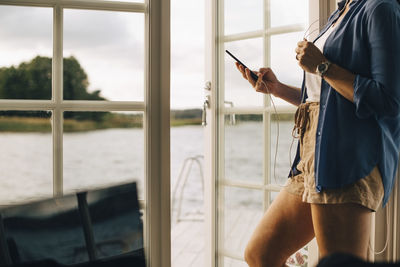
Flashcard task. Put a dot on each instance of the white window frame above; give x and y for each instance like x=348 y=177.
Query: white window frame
x=156 y=109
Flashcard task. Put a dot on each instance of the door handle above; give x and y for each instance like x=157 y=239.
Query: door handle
x=206 y=105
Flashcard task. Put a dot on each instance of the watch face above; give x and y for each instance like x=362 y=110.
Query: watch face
x=322 y=67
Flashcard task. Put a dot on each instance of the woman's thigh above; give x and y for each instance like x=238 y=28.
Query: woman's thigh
x=342 y=228
x=285 y=228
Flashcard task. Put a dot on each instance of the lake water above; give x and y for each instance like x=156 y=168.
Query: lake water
x=112 y=156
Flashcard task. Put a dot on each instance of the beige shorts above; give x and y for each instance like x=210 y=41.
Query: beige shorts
x=367 y=191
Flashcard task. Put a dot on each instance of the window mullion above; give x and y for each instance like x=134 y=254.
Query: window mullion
x=100 y=105
x=57 y=98
x=81 y=4
x=26 y=104
x=267 y=103
x=157 y=134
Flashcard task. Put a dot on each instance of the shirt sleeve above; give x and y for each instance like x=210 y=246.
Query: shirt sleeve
x=379 y=95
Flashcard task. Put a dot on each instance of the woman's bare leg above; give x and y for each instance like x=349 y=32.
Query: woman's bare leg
x=285 y=228
x=342 y=228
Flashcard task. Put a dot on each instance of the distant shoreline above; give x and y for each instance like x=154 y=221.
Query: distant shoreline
x=43 y=125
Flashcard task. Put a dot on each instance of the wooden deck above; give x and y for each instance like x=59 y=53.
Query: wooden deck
x=188 y=239
x=188 y=244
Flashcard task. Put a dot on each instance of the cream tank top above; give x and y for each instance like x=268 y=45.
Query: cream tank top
x=313 y=81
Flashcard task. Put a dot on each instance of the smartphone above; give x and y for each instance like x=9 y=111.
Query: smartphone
x=252 y=74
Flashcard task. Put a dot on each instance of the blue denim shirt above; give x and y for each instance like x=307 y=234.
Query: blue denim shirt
x=354 y=137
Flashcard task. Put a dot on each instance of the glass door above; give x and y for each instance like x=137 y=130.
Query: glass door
x=248 y=138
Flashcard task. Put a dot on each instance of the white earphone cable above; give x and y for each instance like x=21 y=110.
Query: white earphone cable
x=387 y=234
x=277 y=130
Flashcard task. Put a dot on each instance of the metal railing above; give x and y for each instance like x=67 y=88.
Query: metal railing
x=183 y=177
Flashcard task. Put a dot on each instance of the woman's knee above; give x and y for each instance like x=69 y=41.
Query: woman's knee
x=273 y=240
x=253 y=256
x=259 y=256
x=248 y=255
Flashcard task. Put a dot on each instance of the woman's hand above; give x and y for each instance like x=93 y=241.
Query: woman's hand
x=340 y=79
x=309 y=56
x=267 y=82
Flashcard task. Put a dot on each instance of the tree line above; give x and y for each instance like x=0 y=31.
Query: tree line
x=33 y=80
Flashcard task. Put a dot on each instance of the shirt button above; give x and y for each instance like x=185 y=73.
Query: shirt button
x=319 y=133
x=323 y=106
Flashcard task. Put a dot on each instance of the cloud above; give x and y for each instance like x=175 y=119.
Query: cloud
x=112 y=38
x=242 y=16
x=88 y=28
x=25 y=33
x=187 y=90
x=26 y=26
x=285 y=12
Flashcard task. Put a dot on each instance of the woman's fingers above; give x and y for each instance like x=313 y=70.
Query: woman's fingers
x=238 y=66
x=241 y=69
x=246 y=73
x=260 y=86
x=308 y=56
x=257 y=84
x=264 y=70
x=302 y=43
x=300 y=51
x=249 y=78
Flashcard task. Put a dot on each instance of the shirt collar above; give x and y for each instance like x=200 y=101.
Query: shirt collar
x=342 y=3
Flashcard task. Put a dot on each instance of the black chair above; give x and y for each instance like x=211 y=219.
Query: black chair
x=95 y=228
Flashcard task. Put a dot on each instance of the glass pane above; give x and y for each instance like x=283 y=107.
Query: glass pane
x=242 y=211
x=102 y=149
x=229 y=262
x=243 y=16
x=26 y=164
x=104 y=55
x=283 y=60
x=186 y=172
x=244 y=148
x=187 y=53
x=26 y=52
x=187 y=194
x=285 y=12
x=237 y=89
x=285 y=152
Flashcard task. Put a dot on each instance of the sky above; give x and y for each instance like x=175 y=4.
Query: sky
x=110 y=47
